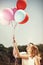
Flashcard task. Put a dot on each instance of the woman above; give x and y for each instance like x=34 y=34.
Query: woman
x=31 y=55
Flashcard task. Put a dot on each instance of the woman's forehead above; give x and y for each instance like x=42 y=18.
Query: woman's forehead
x=29 y=45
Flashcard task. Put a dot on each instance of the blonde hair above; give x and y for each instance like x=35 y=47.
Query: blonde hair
x=34 y=50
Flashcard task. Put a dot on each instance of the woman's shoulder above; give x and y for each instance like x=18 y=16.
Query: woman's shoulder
x=37 y=60
x=37 y=57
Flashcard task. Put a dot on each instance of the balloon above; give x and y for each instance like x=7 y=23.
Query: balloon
x=25 y=20
x=19 y=15
x=8 y=14
x=2 y=20
x=21 y=4
x=14 y=10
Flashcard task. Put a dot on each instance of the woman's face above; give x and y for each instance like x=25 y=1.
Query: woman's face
x=29 y=51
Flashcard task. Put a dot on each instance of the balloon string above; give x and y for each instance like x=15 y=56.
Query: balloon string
x=15 y=25
x=14 y=29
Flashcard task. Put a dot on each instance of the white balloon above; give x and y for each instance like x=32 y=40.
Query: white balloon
x=2 y=20
x=19 y=15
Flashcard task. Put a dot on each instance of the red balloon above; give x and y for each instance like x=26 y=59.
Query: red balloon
x=21 y=4
x=25 y=20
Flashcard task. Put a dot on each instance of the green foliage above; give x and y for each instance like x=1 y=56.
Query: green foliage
x=22 y=48
x=6 y=54
x=40 y=47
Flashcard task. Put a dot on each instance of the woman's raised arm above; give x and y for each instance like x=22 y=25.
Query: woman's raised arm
x=16 y=52
x=15 y=48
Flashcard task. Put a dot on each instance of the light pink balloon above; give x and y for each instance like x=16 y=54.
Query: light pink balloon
x=8 y=14
x=2 y=20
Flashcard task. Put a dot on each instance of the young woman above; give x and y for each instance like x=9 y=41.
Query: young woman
x=31 y=56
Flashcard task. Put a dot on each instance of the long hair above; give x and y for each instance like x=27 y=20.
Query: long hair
x=34 y=50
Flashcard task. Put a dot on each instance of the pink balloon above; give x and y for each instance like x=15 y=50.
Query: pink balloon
x=2 y=20
x=8 y=14
x=14 y=10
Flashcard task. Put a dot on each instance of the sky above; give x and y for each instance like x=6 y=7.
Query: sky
x=32 y=31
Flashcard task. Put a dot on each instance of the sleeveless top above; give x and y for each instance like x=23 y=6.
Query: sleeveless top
x=29 y=61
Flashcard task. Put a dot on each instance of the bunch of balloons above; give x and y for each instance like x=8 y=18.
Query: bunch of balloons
x=17 y=14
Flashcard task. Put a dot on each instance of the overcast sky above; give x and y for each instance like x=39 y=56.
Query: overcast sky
x=32 y=31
